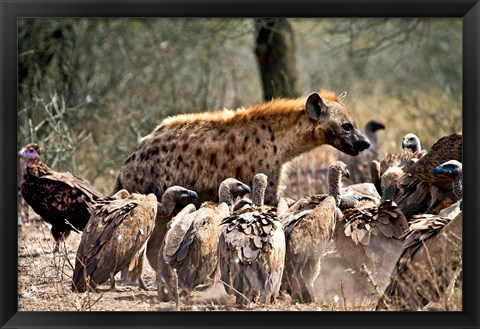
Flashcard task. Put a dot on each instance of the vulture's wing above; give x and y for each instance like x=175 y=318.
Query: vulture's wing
x=446 y=148
x=74 y=182
x=427 y=263
x=94 y=249
x=370 y=226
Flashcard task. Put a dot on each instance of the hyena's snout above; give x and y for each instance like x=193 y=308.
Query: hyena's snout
x=361 y=143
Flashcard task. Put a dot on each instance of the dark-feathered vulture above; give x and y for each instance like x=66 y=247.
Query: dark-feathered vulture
x=117 y=233
x=359 y=166
x=452 y=169
x=190 y=246
x=60 y=198
x=422 y=191
x=252 y=250
x=431 y=253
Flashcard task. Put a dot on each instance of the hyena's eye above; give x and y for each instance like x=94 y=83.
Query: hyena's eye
x=347 y=126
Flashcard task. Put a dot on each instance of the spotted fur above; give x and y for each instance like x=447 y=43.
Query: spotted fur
x=198 y=151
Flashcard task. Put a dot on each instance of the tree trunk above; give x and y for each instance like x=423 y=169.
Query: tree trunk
x=275 y=51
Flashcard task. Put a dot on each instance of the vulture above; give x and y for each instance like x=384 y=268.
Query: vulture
x=431 y=253
x=420 y=190
x=189 y=253
x=359 y=165
x=368 y=232
x=62 y=199
x=452 y=169
x=308 y=225
x=252 y=250
x=412 y=142
x=117 y=234
x=160 y=229
x=387 y=171
x=361 y=191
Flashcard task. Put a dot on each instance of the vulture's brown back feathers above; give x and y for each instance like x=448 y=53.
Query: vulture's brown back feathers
x=117 y=231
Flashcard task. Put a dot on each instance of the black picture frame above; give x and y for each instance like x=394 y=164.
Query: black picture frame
x=468 y=10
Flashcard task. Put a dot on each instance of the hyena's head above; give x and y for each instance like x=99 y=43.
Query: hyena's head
x=334 y=124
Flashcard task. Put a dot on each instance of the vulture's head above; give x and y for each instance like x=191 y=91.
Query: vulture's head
x=259 y=185
x=30 y=153
x=260 y=181
x=338 y=169
x=412 y=142
x=233 y=187
x=181 y=195
x=373 y=126
x=452 y=169
x=175 y=197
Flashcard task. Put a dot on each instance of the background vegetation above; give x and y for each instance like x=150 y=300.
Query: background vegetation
x=90 y=88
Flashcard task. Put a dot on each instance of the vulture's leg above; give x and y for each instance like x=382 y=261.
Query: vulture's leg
x=112 y=281
x=142 y=284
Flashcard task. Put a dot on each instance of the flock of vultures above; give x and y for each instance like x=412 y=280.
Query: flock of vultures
x=198 y=198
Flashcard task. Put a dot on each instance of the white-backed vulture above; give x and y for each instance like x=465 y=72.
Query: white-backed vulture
x=117 y=233
x=252 y=250
x=361 y=191
x=161 y=221
x=336 y=171
x=155 y=241
x=369 y=234
x=63 y=200
x=412 y=142
x=390 y=169
x=431 y=254
x=309 y=224
x=307 y=236
x=188 y=256
x=420 y=190
x=359 y=166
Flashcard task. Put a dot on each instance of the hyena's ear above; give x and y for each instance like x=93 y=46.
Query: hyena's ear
x=315 y=107
x=341 y=97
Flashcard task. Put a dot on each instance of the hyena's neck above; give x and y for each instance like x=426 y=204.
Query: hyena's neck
x=289 y=135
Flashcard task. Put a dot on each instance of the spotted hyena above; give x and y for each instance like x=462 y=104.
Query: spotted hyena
x=198 y=151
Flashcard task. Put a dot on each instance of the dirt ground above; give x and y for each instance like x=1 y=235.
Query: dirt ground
x=45 y=281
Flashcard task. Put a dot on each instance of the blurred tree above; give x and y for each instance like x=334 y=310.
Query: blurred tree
x=275 y=51
x=90 y=86
x=45 y=58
